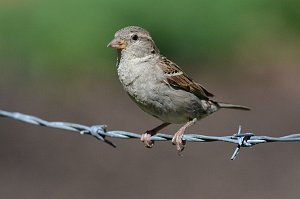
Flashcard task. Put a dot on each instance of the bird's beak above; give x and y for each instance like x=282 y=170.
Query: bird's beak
x=117 y=43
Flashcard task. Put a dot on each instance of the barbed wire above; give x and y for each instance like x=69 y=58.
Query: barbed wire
x=100 y=132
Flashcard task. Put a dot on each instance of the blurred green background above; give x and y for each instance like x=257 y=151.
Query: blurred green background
x=54 y=64
x=38 y=37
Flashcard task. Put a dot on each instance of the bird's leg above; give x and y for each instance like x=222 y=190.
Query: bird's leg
x=146 y=137
x=177 y=138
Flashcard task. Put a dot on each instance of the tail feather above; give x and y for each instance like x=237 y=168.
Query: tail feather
x=232 y=106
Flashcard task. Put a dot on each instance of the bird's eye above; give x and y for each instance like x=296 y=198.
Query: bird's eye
x=135 y=37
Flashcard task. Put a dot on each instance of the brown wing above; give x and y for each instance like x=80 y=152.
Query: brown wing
x=179 y=80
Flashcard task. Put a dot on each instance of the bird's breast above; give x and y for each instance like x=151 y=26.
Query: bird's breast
x=146 y=85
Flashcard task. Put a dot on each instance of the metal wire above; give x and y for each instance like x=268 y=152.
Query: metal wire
x=100 y=132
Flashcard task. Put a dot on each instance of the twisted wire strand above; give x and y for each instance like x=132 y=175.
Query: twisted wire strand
x=100 y=132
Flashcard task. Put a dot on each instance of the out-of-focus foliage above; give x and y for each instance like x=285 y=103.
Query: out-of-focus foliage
x=43 y=35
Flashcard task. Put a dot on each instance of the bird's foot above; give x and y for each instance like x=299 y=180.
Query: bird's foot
x=146 y=138
x=177 y=140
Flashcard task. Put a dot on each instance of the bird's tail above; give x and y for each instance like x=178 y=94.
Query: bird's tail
x=232 y=106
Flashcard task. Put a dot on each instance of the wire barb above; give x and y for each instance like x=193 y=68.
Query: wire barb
x=100 y=132
x=242 y=141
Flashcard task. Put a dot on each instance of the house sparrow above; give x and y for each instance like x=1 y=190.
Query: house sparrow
x=158 y=86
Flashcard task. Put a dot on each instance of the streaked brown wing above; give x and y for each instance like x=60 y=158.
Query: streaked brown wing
x=179 y=80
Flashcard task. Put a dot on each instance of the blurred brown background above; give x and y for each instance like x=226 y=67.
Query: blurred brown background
x=54 y=64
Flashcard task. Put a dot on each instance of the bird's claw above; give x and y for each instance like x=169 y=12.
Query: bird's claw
x=146 y=138
x=180 y=144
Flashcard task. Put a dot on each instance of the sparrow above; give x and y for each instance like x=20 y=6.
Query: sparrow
x=159 y=86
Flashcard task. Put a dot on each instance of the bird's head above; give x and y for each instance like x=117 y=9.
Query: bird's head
x=134 y=40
